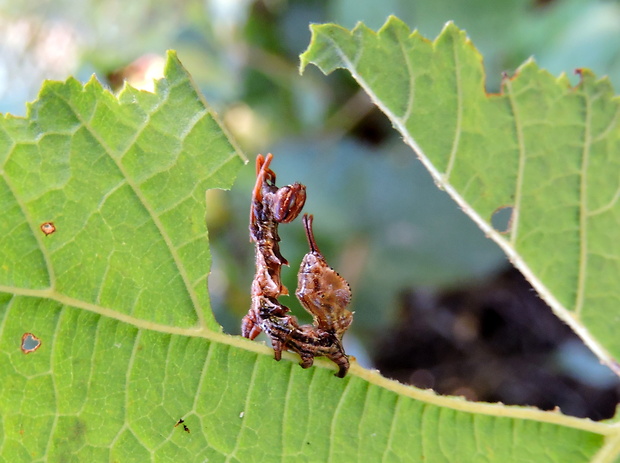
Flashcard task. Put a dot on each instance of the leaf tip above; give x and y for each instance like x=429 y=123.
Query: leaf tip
x=93 y=83
x=449 y=28
x=303 y=58
x=174 y=69
x=172 y=55
x=318 y=35
x=529 y=66
x=394 y=22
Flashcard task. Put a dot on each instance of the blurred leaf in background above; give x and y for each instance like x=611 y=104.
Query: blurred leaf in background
x=384 y=231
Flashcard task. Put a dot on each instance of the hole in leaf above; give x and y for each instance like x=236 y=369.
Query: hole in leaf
x=30 y=343
x=501 y=220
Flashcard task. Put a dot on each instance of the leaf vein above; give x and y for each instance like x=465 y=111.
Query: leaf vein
x=459 y=114
x=411 y=79
x=391 y=431
x=360 y=442
x=251 y=386
x=335 y=417
x=34 y=228
x=54 y=387
x=142 y=199
x=287 y=397
x=514 y=231
x=583 y=210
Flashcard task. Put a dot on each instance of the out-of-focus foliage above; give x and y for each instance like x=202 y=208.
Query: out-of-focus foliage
x=228 y=41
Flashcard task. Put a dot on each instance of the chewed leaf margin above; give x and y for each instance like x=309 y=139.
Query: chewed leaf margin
x=542 y=147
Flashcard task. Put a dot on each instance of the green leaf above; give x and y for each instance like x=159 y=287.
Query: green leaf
x=545 y=150
x=128 y=344
x=541 y=147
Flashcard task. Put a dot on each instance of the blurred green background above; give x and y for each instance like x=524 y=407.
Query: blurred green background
x=379 y=219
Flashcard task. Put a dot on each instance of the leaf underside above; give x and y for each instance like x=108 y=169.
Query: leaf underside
x=542 y=148
x=128 y=343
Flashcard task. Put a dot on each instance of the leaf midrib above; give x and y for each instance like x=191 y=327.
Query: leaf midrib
x=371 y=376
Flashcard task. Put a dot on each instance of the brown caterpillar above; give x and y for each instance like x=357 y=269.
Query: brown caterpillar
x=321 y=290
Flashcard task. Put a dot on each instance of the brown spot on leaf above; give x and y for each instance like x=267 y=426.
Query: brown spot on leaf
x=48 y=228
